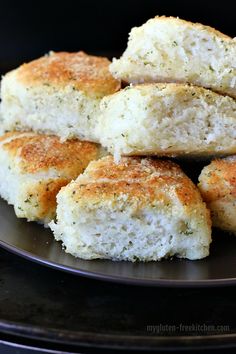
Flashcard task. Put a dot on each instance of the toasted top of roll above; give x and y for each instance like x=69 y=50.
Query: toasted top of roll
x=140 y=180
x=36 y=153
x=218 y=179
x=84 y=72
x=217 y=183
x=34 y=167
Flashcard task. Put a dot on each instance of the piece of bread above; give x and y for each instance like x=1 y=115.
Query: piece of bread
x=34 y=167
x=168 y=120
x=218 y=189
x=167 y=49
x=139 y=209
x=57 y=94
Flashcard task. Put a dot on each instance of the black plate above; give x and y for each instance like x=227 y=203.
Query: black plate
x=36 y=243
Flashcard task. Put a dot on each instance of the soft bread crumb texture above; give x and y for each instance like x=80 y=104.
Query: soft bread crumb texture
x=34 y=167
x=217 y=184
x=168 y=49
x=58 y=93
x=168 y=120
x=140 y=209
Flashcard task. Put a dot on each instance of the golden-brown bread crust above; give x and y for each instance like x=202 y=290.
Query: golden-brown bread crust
x=44 y=194
x=142 y=180
x=40 y=165
x=8 y=135
x=194 y=24
x=39 y=152
x=84 y=72
x=217 y=184
x=220 y=179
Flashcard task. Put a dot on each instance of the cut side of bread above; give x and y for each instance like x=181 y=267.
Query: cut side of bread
x=34 y=167
x=139 y=209
x=57 y=94
x=168 y=120
x=217 y=184
x=168 y=49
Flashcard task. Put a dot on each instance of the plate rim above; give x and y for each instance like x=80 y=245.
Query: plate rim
x=171 y=283
x=115 y=341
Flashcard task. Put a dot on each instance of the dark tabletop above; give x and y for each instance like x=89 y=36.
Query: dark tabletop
x=42 y=307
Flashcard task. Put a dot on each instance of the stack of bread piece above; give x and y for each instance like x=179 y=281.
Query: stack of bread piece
x=49 y=109
x=179 y=101
x=185 y=103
